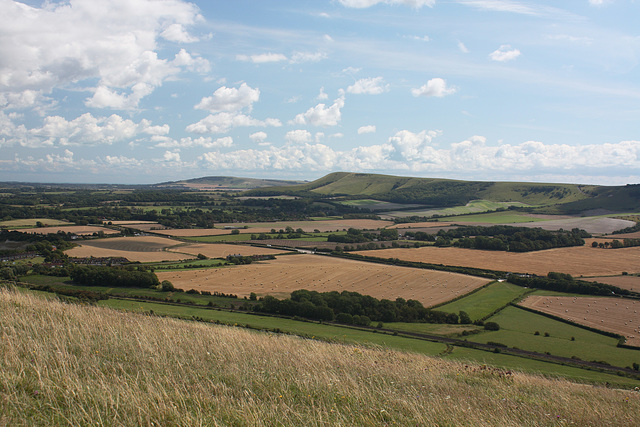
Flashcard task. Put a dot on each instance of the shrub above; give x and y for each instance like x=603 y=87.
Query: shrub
x=491 y=326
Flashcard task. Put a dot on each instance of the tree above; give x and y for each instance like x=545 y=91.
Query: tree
x=464 y=318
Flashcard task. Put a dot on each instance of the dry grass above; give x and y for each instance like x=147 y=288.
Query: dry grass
x=608 y=314
x=76 y=365
x=323 y=274
x=579 y=260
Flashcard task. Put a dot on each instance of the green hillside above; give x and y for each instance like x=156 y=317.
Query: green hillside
x=226 y=183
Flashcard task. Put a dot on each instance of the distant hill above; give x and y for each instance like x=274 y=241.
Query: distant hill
x=225 y=183
x=565 y=198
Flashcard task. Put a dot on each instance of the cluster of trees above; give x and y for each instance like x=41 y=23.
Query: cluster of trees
x=114 y=276
x=616 y=244
x=512 y=239
x=358 y=236
x=562 y=282
x=352 y=307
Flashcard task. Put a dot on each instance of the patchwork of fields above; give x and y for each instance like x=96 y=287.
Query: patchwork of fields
x=323 y=274
x=608 y=314
x=577 y=261
x=80 y=230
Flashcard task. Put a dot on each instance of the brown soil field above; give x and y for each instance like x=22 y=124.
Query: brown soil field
x=617 y=315
x=194 y=232
x=281 y=276
x=635 y=235
x=220 y=250
x=594 y=225
x=577 y=261
x=143 y=249
x=75 y=229
x=628 y=282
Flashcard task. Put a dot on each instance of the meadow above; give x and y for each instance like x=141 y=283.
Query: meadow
x=485 y=300
x=133 y=369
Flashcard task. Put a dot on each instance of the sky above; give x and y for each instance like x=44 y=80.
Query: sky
x=148 y=91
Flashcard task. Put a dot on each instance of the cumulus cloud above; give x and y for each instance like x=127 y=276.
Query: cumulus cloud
x=322 y=96
x=225 y=121
x=298 y=136
x=171 y=156
x=258 y=137
x=370 y=86
x=361 y=4
x=230 y=99
x=83 y=130
x=504 y=53
x=299 y=57
x=366 y=129
x=321 y=115
x=262 y=58
x=112 y=43
x=188 y=142
x=435 y=87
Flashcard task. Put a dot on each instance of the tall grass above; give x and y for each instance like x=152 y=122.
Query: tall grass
x=67 y=364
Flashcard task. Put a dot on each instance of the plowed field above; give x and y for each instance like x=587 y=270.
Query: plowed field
x=579 y=260
x=628 y=282
x=221 y=250
x=608 y=314
x=320 y=273
x=143 y=249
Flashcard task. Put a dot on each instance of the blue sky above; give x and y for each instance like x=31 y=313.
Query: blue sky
x=146 y=91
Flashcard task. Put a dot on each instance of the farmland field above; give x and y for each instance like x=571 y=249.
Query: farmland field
x=608 y=314
x=19 y=223
x=577 y=260
x=130 y=222
x=486 y=300
x=629 y=282
x=323 y=274
x=75 y=229
x=471 y=207
x=221 y=250
x=518 y=328
x=143 y=249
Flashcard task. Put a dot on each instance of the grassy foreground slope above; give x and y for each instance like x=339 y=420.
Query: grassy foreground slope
x=67 y=364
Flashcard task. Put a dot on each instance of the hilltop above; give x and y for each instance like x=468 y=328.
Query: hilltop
x=75 y=364
x=566 y=198
x=224 y=183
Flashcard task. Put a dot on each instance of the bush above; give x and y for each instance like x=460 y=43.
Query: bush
x=491 y=326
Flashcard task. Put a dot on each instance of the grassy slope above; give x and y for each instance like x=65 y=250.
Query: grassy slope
x=485 y=301
x=78 y=365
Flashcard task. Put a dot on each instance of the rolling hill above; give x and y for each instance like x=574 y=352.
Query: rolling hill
x=225 y=183
x=565 y=198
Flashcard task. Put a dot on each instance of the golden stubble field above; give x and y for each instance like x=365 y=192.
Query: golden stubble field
x=156 y=249
x=75 y=229
x=578 y=260
x=617 y=315
x=323 y=274
x=629 y=282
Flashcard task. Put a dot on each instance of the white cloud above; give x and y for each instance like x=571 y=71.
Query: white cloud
x=225 y=121
x=188 y=142
x=599 y=2
x=258 y=136
x=462 y=48
x=230 y=99
x=411 y=146
x=435 y=87
x=170 y=156
x=370 y=86
x=322 y=96
x=122 y=161
x=83 y=130
x=177 y=33
x=321 y=115
x=112 y=43
x=298 y=136
x=366 y=129
x=361 y=4
x=262 y=58
x=504 y=53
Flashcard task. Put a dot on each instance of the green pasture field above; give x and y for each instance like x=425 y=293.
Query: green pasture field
x=474 y=206
x=518 y=327
x=503 y=217
x=430 y=328
x=244 y=236
x=31 y=222
x=486 y=300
